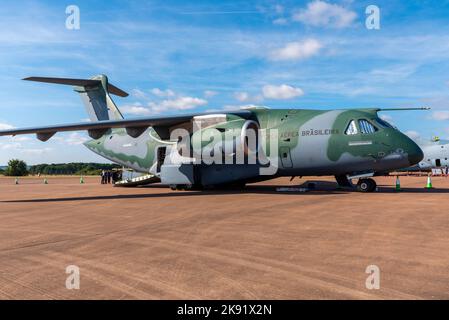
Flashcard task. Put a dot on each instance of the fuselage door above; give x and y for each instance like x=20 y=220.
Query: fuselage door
x=286 y=157
x=161 y=153
x=437 y=162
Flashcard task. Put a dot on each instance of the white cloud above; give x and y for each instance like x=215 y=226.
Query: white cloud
x=357 y=91
x=392 y=73
x=280 y=21
x=36 y=151
x=320 y=13
x=241 y=96
x=162 y=93
x=168 y=105
x=246 y=97
x=177 y=104
x=5 y=126
x=17 y=147
x=440 y=115
x=75 y=139
x=138 y=94
x=281 y=92
x=136 y=109
x=10 y=146
x=279 y=9
x=210 y=93
x=297 y=50
x=21 y=138
x=413 y=134
x=386 y=117
x=276 y=12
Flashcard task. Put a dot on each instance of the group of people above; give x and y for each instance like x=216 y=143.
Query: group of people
x=108 y=177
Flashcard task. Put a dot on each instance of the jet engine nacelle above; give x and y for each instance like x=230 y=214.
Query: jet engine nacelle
x=229 y=138
x=249 y=137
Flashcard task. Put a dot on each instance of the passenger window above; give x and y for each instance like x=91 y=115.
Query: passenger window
x=366 y=127
x=351 y=129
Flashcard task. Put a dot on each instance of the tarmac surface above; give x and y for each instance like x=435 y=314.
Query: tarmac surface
x=154 y=243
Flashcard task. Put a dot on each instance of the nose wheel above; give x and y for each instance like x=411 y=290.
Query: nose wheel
x=366 y=185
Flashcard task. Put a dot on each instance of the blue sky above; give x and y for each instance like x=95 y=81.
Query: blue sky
x=180 y=56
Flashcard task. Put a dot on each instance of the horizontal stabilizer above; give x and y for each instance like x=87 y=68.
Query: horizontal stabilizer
x=80 y=83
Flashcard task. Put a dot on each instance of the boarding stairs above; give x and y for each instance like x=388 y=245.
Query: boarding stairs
x=133 y=179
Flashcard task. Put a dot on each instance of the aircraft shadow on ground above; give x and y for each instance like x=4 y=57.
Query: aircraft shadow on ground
x=321 y=188
x=173 y=194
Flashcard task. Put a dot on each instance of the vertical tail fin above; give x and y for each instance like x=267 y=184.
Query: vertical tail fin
x=94 y=94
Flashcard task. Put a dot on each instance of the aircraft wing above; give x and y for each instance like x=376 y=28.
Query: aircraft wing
x=134 y=127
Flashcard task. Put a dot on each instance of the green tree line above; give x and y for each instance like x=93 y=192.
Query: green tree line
x=19 y=168
x=72 y=168
x=16 y=167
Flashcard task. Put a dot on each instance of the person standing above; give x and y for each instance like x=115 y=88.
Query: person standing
x=109 y=175
x=114 y=177
x=103 y=176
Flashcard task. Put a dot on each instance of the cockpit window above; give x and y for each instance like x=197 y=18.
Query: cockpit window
x=366 y=127
x=351 y=129
x=383 y=123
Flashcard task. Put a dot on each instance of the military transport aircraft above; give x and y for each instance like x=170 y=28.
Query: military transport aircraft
x=348 y=144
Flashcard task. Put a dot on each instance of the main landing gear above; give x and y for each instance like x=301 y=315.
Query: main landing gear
x=366 y=185
x=363 y=185
x=183 y=187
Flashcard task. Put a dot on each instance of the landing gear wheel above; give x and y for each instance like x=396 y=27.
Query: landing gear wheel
x=181 y=187
x=366 y=185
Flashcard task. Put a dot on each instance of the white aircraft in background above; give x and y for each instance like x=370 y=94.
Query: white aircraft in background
x=436 y=154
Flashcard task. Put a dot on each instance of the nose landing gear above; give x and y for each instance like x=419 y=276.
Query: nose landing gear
x=366 y=185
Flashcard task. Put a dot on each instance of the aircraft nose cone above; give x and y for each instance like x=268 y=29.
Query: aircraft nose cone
x=415 y=154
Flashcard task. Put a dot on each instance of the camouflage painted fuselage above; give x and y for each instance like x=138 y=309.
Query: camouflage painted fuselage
x=310 y=142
